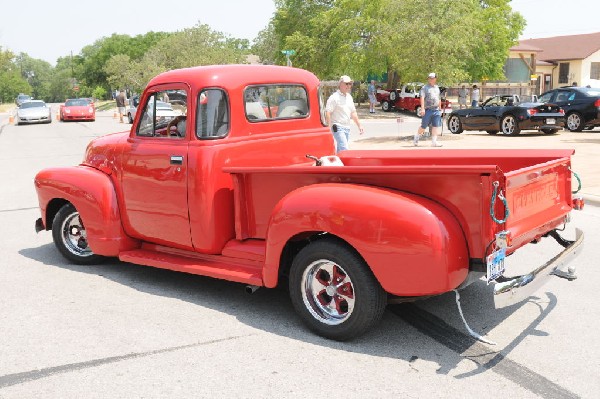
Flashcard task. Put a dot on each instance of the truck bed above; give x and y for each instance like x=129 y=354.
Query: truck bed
x=536 y=183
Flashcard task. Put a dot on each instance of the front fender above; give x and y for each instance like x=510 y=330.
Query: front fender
x=413 y=245
x=92 y=193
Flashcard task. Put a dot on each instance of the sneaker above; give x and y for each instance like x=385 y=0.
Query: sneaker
x=437 y=145
x=416 y=143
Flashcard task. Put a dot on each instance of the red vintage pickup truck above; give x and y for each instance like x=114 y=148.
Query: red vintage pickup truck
x=408 y=98
x=224 y=189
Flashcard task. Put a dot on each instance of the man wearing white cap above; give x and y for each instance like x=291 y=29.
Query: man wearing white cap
x=430 y=110
x=339 y=110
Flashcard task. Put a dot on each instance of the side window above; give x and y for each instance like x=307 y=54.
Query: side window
x=571 y=96
x=164 y=115
x=545 y=98
x=212 y=115
x=284 y=101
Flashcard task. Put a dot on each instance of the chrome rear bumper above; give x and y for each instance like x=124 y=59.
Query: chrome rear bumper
x=511 y=290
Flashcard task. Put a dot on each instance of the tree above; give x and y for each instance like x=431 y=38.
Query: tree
x=11 y=81
x=407 y=38
x=265 y=45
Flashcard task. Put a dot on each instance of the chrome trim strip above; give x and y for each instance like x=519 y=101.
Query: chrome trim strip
x=516 y=289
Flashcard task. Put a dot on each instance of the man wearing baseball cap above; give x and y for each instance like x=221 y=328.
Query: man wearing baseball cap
x=339 y=110
x=430 y=110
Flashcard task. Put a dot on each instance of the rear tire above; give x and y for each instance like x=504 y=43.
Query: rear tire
x=70 y=237
x=418 y=111
x=575 y=122
x=334 y=291
x=455 y=125
x=129 y=117
x=510 y=126
x=393 y=95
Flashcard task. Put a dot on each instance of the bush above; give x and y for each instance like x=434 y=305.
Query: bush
x=99 y=93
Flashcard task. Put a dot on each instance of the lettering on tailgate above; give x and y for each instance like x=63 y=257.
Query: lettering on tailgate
x=542 y=193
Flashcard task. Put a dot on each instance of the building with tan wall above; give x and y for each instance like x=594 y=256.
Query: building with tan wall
x=559 y=61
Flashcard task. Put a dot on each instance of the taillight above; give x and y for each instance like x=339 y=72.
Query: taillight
x=532 y=111
x=561 y=111
x=597 y=103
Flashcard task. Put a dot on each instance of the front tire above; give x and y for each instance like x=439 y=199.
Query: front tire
x=575 y=122
x=510 y=126
x=386 y=106
x=418 y=111
x=70 y=237
x=492 y=132
x=455 y=125
x=334 y=291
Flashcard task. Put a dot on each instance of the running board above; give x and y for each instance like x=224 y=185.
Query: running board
x=224 y=269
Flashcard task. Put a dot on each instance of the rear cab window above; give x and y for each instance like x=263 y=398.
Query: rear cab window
x=273 y=102
x=212 y=114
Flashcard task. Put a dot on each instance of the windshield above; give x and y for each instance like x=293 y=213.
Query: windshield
x=22 y=97
x=33 y=104
x=80 y=102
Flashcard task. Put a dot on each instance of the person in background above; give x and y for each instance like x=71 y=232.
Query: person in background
x=462 y=97
x=430 y=110
x=474 y=97
x=339 y=110
x=371 y=91
x=121 y=99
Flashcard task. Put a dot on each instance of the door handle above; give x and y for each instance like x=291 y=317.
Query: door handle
x=176 y=160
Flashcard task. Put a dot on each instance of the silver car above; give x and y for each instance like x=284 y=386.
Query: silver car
x=35 y=111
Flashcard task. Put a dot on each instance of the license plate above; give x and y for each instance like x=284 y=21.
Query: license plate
x=495 y=264
x=550 y=121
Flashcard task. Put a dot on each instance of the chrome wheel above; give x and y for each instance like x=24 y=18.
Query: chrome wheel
x=74 y=236
x=327 y=292
x=573 y=122
x=509 y=125
x=454 y=125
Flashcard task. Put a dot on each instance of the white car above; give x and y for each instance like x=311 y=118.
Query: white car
x=35 y=111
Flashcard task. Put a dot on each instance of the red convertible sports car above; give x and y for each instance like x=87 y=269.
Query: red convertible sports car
x=78 y=109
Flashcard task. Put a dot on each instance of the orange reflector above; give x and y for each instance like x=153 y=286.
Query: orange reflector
x=578 y=203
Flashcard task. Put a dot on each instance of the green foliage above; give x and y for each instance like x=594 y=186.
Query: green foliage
x=99 y=93
x=459 y=39
x=11 y=81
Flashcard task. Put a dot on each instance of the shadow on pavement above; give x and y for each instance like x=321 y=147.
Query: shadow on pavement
x=270 y=310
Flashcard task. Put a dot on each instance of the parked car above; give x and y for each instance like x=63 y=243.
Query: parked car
x=408 y=98
x=21 y=98
x=78 y=109
x=581 y=105
x=132 y=108
x=236 y=198
x=502 y=114
x=34 y=111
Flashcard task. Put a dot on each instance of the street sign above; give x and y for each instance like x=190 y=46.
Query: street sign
x=288 y=52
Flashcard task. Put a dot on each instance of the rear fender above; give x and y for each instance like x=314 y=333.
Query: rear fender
x=413 y=245
x=92 y=193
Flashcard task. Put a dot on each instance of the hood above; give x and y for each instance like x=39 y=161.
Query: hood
x=37 y=111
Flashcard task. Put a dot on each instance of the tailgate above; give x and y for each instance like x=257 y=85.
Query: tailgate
x=539 y=198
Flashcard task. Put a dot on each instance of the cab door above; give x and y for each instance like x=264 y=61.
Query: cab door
x=154 y=180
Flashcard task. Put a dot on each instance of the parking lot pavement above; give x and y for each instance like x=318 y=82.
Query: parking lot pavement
x=125 y=331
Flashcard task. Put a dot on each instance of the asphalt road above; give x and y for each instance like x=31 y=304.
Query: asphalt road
x=118 y=330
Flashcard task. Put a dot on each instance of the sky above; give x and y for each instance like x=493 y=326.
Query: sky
x=51 y=29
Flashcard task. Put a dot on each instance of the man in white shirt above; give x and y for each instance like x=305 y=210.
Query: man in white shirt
x=340 y=110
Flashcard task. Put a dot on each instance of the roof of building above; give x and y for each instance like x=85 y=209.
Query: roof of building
x=572 y=47
x=525 y=47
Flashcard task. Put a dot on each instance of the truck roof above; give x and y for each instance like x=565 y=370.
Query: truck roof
x=232 y=76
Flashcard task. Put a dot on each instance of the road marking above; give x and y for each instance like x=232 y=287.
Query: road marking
x=19 y=378
x=480 y=354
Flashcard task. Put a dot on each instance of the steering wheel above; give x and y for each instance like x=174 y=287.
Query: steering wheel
x=173 y=123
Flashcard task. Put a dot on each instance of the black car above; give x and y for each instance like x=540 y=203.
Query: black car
x=506 y=115
x=581 y=106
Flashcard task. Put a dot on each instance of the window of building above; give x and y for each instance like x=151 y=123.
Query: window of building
x=595 y=70
x=563 y=72
x=275 y=102
x=212 y=116
x=164 y=115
